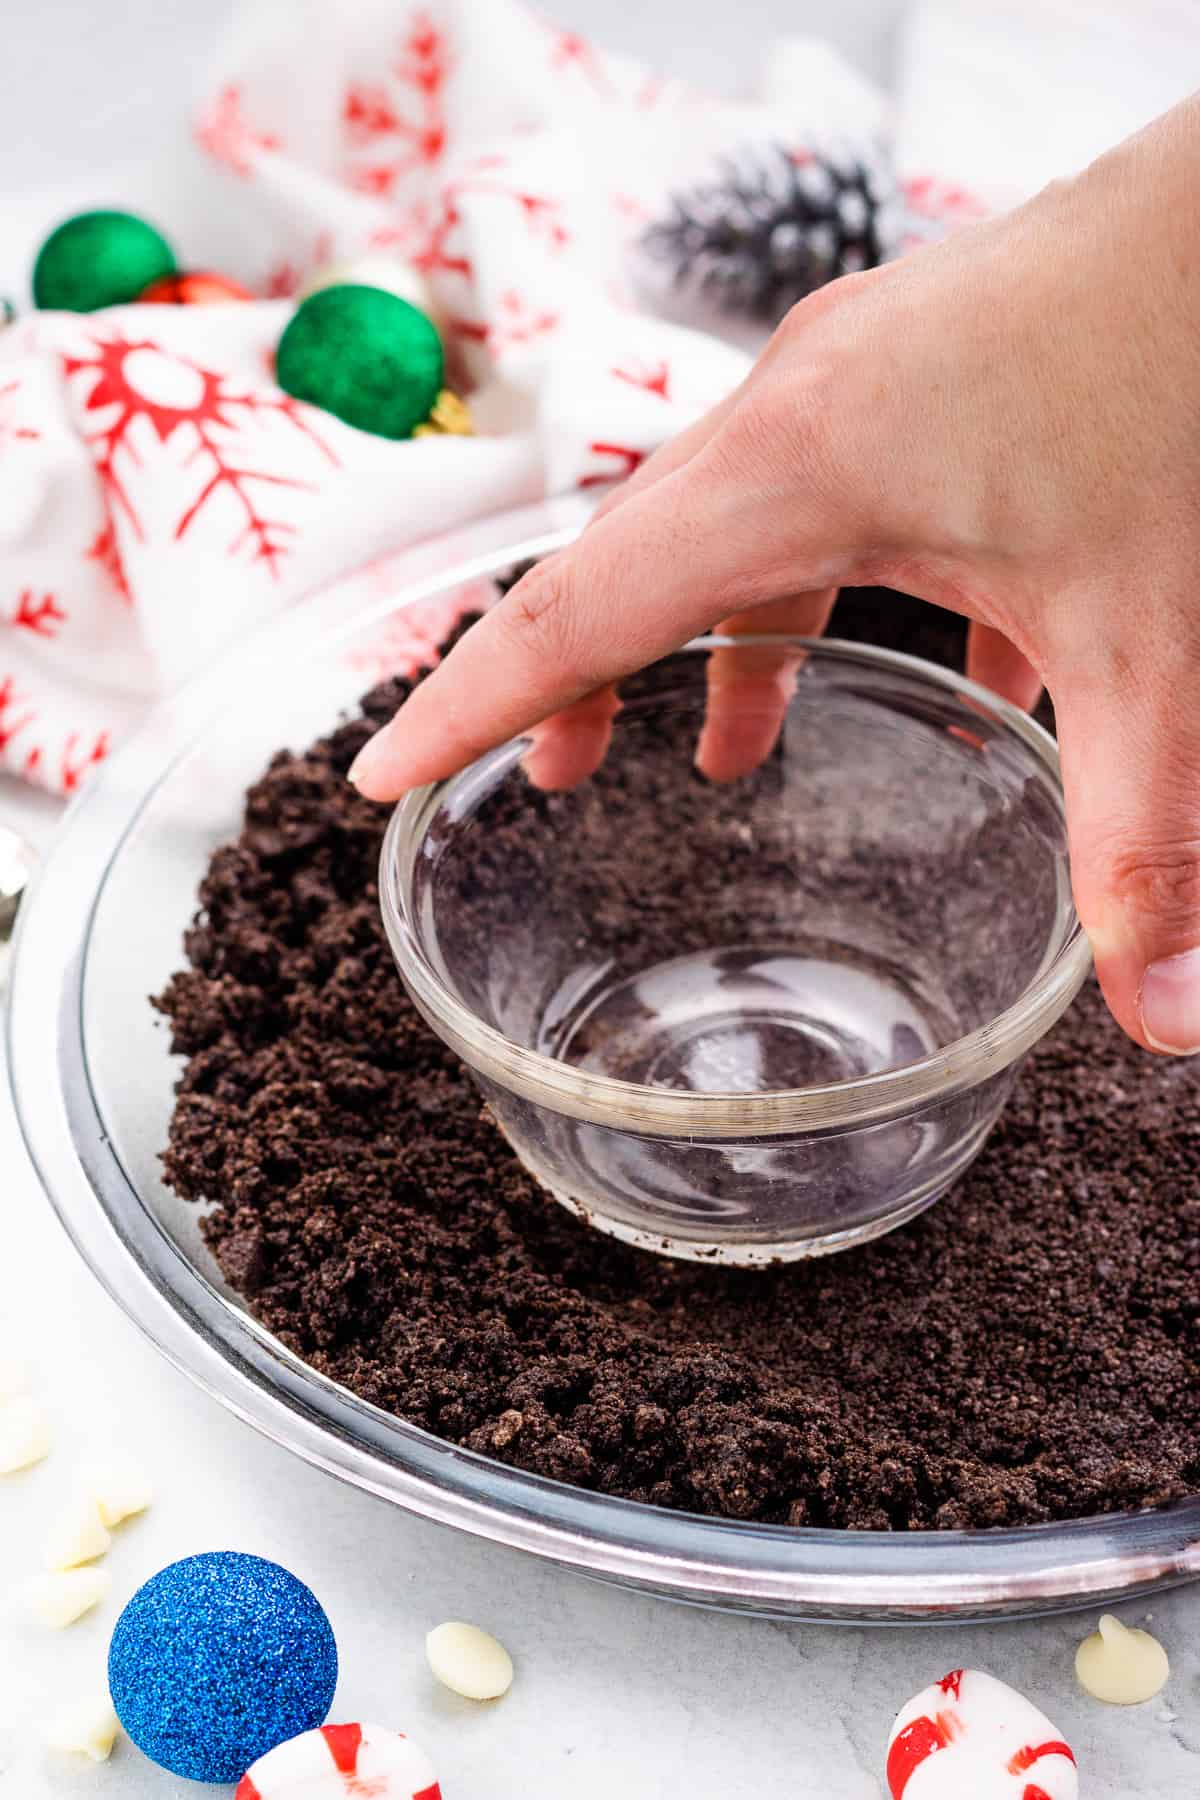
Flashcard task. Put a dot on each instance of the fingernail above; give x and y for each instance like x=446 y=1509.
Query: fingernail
x=368 y=763
x=1170 y=1004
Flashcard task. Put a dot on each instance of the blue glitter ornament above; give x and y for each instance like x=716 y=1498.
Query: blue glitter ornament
x=216 y=1660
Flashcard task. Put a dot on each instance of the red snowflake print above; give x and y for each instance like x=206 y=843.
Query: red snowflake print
x=417 y=236
x=225 y=133
x=427 y=234
x=213 y=414
x=542 y=214
x=516 y=323
x=104 y=550
x=631 y=208
x=78 y=756
x=375 y=179
x=628 y=460
x=15 y=714
x=544 y=217
x=9 y=431
x=368 y=113
x=568 y=50
x=653 y=377
x=416 y=133
x=42 y=617
x=284 y=277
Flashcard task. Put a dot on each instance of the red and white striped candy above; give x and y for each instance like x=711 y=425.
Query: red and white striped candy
x=972 y=1735
x=342 y=1762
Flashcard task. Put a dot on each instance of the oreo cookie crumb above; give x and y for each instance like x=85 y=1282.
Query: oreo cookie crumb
x=1027 y=1350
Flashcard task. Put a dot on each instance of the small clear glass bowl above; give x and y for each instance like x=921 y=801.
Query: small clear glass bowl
x=761 y=1019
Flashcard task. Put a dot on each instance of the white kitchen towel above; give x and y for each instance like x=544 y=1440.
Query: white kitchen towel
x=162 y=497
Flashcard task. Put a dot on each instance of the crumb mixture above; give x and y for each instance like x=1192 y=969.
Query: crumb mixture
x=1027 y=1350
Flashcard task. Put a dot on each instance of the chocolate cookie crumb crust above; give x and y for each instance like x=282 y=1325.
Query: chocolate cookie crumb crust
x=1028 y=1350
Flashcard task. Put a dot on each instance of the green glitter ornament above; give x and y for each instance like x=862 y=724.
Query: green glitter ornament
x=99 y=259
x=364 y=355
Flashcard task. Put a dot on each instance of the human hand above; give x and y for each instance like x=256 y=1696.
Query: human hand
x=1006 y=425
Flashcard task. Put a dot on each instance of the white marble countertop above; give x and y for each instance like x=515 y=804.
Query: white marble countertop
x=615 y=1693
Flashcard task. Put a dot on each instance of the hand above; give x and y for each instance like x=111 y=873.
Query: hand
x=1008 y=425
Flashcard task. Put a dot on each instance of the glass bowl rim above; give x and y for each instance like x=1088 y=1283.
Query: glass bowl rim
x=663 y=1112
x=818 y=1573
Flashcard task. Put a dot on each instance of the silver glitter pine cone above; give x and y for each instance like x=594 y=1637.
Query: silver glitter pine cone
x=772 y=228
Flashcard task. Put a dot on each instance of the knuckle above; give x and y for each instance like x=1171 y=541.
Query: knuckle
x=789 y=432
x=1164 y=884
x=745 y=439
x=537 y=619
x=800 y=319
x=549 y=623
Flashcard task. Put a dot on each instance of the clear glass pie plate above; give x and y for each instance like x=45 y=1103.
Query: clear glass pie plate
x=93 y=1082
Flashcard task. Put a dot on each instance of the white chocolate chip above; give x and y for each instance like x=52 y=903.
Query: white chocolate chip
x=469 y=1661
x=14 y=1377
x=59 y=1599
x=120 y=1489
x=77 y=1536
x=1120 y=1665
x=87 y=1727
x=24 y=1434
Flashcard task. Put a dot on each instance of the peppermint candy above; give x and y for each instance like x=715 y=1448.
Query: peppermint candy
x=971 y=1734
x=338 y=1761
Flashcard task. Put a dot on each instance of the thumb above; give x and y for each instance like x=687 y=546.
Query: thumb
x=1131 y=771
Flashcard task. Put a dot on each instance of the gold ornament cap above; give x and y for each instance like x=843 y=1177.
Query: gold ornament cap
x=450 y=417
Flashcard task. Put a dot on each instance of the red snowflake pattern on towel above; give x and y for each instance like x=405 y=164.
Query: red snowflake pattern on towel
x=570 y=52
x=224 y=131
x=61 y=763
x=625 y=458
x=40 y=616
x=212 y=411
x=12 y=430
x=16 y=715
x=371 y=118
x=654 y=378
x=516 y=323
x=104 y=550
x=284 y=277
x=77 y=756
x=425 y=234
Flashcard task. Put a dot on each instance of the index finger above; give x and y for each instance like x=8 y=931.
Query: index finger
x=640 y=582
